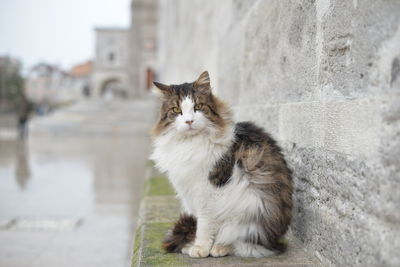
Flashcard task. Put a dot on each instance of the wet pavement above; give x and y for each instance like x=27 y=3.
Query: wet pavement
x=69 y=195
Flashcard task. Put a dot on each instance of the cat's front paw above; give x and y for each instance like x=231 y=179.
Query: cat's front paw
x=186 y=249
x=220 y=250
x=199 y=252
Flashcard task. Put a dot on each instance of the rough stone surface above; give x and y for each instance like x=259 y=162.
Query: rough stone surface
x=323 y=77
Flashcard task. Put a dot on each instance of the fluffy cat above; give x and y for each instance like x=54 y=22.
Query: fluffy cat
x=231 y=178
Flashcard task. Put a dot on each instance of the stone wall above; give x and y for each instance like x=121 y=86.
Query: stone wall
x=323 y=78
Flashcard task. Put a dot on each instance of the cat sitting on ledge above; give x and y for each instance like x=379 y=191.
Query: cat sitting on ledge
x=231 y=178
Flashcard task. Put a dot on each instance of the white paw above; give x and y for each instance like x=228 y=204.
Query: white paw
x=198 y=252
x=220 y=250
x=186 y=249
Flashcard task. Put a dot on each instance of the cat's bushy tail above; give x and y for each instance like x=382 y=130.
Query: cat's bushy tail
x=183 y=232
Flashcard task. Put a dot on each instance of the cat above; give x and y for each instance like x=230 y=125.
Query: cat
x=231 y=178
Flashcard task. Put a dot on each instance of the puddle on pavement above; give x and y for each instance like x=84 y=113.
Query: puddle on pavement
x=43 y=184
x=88 y=187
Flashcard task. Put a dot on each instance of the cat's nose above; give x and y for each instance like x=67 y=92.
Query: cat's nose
x=189 y=122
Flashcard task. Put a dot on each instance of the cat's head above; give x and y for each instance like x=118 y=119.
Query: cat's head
x=191 y=108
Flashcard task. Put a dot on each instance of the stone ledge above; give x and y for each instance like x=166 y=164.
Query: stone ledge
x=160 y=209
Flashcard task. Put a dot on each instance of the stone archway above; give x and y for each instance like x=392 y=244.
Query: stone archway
x=112 y=88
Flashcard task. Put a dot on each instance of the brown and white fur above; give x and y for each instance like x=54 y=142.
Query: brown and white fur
x=232 y=180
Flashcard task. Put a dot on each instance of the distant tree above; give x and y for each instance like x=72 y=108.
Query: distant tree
x=15 y=86
x=11 y=82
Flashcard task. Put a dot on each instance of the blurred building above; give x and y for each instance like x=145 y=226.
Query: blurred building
x=81 y=77
x=49 y=85
x=43 y=82
x=143 y=45
x=110 y=74
x=125 y=58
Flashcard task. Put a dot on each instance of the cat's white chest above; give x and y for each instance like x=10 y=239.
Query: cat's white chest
x=188 y=164
x=195 y=153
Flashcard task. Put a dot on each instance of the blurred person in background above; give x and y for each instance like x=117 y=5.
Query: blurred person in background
x=24 y=109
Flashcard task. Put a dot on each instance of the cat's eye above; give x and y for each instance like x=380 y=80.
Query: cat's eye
x=198 y=107
x=176 y=110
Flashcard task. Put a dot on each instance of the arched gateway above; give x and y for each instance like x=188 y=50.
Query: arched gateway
x=112 y=88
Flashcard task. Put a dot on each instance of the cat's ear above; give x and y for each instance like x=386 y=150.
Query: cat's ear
x=203 y=82
x=162 y=89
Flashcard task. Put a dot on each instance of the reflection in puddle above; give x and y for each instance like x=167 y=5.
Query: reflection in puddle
x=22 y=168
x=40 y=179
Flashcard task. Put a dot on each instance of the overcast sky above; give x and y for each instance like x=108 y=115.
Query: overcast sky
x=56 y=31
